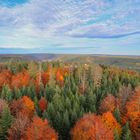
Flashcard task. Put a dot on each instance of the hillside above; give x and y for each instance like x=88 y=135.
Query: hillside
x=130 y=62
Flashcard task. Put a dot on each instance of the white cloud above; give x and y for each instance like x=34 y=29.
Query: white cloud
x=45 y=23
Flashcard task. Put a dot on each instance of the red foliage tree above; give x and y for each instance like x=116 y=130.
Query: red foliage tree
x=43 y=104
x=91 y=127
x=40 y=130
x=108 y=104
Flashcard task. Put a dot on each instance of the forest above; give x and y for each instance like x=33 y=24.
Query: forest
x=55 y=100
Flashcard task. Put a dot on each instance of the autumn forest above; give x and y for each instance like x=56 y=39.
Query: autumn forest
x=68 y=101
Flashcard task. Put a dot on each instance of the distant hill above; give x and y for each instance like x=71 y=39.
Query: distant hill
x=130 y=62
x=35 y=57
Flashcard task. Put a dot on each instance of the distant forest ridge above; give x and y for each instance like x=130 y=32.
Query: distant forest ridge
x=122 y=61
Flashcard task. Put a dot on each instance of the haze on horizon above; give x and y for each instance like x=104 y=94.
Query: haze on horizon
x=70 y=26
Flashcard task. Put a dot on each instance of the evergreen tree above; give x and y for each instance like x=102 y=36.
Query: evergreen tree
x=31 y=92
x=90 y=102
x=126 y=134
x=117 y=115
x=17 y=93
x=49 y=92
x=5 y=122
x=6 y=93
x=66 y=125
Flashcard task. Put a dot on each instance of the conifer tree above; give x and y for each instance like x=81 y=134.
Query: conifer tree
x=90 y=102
x=17 y=93
x=126 y=134
x=117 y=115
x=5 y=123
x=6 y=93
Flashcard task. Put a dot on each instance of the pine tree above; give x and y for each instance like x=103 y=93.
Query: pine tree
x=90 y=103
x=17 y=93
x=117 y=115
x=49 y=93
x=66 y=124
x=5 y=122
x=31 y=92
x=51 y=113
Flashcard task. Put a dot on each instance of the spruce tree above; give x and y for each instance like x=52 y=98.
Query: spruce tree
x=17 y=93
x=66 y=125
x=126 y=134
x=5 y=122
x=117 y=115
x=6 y=93
x=90 y=102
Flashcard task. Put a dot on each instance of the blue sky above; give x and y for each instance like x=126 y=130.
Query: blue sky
x=70 y=26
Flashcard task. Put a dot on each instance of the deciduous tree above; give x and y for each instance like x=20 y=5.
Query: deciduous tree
x=133 y=113
x=109 y=103
x=18 y=128
x=91 y=127
x=43 y=104
x=20 y=79
x=40 y=130
x=111 y=122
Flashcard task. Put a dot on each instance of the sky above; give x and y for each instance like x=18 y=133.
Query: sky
x=70 y=26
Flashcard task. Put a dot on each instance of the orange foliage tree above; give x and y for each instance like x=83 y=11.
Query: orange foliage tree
x=20 y=79
x=37 y=83
x=108 y=104
x=65 y=71
x=133 y=113
x=28 y=105
x=43 y=104
x=91 y=127
x=40 y=130
x=5 y=78
x=111 y=122
x=45 y=77
x=60 y=74
x=24 y=105
x=41 y=78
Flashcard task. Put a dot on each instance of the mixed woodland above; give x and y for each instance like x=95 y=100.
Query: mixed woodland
x=68 y=101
